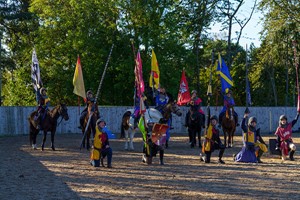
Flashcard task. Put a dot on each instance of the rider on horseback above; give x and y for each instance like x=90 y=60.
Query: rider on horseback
x=43 y=104
x=195 y=105
x=228 y=102
x=89 y=100
x=137 y=108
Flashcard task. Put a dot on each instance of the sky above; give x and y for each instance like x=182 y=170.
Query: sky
x=251 y=31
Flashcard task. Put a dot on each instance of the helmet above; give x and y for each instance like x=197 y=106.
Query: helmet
x=194 y=91
x=283 y=117
x=252 y=119
x=214 y=117
x=89 y=92
x=100 y=120
x=42 y=90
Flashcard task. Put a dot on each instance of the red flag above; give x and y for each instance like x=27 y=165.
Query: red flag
x=139 y=82
x=184 y=92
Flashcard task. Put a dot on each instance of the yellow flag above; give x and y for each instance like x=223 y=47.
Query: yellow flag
x=78 y=83
x=154 y=75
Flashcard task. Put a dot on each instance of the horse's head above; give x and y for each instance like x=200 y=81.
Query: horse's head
x=174 y=108
x=63 y=111
x=229 y=112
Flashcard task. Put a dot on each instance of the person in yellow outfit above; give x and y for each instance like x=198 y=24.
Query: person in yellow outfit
x=254 y=145
x=101 y=146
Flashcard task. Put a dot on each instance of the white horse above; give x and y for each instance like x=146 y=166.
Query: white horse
x=128 y=128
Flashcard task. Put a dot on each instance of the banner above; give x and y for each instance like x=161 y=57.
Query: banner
x=35 y=73
x=154 y=75
x=78 y=82
x=139 y=82
x=223 y=71
x=184 y=95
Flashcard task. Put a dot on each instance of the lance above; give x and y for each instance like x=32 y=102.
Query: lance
x=297 y=69
x=133 y=50
x=209 y=94
x=97 y=94
x=247 y=83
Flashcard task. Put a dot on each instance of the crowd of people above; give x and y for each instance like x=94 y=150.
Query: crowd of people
x=253 y=144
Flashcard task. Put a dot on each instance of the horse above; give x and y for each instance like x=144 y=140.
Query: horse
x=228 y=126
x=49 y=123
x=195 y=121
x=93 y=114
x=128 y=128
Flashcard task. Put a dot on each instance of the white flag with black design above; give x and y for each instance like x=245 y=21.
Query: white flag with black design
x=35 y=72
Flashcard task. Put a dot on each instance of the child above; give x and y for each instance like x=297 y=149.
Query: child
x=252 y=142
x=212 y=141
x=284 y=137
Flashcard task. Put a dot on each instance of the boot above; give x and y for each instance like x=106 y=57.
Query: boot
x=221 y=152
x=292 y=155
x=101 y=162
x=161 y=157
x=260 y=153
x=207 y=156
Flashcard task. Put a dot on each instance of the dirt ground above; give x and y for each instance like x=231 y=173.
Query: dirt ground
x=66 y=174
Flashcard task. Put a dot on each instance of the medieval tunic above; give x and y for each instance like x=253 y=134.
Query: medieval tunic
x=252 y=141
x=284 y=136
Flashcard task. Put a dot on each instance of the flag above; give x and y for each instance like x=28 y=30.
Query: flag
x=35 y=73
x=223 y=71
x=142 y=128
x=139 y=82
x=154 y=75
x=184 y=92
x=78 y=82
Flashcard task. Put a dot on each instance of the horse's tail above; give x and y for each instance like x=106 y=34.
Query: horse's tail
x=122 y=131
x=126 y=115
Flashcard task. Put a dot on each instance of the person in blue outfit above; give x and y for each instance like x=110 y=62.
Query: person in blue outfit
x=253 y=144
x=228 y=102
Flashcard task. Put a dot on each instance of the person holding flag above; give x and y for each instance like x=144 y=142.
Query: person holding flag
x=284 y=137
x=212 y=141
x=226 y=84
x=44 y=103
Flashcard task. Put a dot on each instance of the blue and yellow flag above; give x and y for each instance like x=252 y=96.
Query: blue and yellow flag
x=223 y=71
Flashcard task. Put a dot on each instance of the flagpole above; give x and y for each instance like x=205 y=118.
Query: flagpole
x=209 y=94
x=297 y=78
x=103 y=74
x=134 y=55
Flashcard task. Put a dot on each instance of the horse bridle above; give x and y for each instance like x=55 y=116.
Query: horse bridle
x=62 y=114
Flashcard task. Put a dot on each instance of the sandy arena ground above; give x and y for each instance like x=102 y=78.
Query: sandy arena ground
x=66 y=174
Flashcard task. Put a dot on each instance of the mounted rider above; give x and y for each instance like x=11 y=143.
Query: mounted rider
x=43 y=105
x=137 y=108
x=90 y=100
x=195 y=105
x=228 y=102
x=284 y=137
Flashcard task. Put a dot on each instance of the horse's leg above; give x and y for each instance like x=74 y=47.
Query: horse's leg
x=229 y=139
x=193 y=139
x=44 y=140
x=52 y=140
x=131 y=139
x=225 y=138
x=126 y=133
x=34 y=135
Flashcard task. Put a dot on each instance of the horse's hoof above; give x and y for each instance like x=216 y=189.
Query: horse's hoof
x=53 y=149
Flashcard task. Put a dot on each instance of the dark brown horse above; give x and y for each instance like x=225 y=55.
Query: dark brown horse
x=228 y=126
x=93 y=114
x=49 y=123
